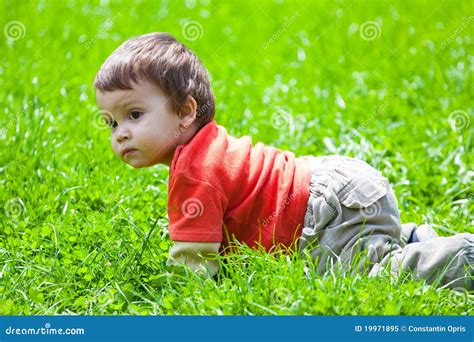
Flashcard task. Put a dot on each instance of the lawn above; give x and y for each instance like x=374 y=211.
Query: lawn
x=390 y=82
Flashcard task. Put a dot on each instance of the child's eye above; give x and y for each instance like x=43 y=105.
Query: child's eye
x=135 y=114
x=111 y=123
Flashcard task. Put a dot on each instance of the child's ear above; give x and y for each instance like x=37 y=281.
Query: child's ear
x=187 y=112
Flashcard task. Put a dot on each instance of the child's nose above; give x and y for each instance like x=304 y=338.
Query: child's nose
x=122 y=134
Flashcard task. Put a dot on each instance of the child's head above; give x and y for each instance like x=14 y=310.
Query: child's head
x=155 y=94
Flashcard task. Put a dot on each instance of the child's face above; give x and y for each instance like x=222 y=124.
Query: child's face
x=142 y=124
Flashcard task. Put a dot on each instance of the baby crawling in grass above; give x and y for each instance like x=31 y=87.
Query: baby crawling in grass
x=156 y=96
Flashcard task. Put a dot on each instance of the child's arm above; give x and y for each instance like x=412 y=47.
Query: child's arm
x=198 y=256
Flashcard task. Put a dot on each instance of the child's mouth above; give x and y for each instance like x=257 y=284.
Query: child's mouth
x=128 y=151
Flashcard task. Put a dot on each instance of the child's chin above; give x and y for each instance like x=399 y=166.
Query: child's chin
x=139 y=164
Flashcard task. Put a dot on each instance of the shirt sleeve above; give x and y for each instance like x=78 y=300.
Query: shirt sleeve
x=198 y=256
x=195 y=210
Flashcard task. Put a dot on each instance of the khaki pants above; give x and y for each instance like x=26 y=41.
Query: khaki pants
x=352 y=219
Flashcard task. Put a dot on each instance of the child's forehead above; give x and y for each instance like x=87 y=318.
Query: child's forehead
x=119 y=98
x=116 y=98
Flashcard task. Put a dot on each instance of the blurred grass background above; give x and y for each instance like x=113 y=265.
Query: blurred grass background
x=390 y=82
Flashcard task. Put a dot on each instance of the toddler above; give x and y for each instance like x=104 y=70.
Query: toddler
x=156 y=96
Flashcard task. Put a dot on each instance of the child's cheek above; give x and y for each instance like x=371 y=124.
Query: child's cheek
x=114 y=147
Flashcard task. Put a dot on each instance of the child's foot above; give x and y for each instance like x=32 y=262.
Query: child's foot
x=422 y=233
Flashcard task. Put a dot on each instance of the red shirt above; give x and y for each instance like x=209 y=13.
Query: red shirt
x=221 y=187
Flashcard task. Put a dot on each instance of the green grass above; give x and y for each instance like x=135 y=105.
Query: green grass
x=81 y=232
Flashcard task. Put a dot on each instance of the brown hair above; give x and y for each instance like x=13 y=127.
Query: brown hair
x=159 y=58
